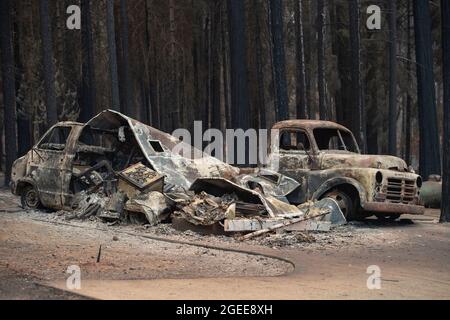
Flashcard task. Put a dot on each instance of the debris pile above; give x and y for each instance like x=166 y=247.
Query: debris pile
x=206 y=210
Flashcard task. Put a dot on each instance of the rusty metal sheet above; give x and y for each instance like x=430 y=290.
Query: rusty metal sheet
x=179 y=170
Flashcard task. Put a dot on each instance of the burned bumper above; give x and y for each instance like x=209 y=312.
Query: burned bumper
x=389 y=208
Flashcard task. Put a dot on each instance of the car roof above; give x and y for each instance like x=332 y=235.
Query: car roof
x=308 y=124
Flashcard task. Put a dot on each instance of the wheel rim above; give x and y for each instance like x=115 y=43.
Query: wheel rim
x=32 y=199
x=341 y=201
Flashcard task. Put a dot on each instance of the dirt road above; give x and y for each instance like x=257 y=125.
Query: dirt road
x=36 y=249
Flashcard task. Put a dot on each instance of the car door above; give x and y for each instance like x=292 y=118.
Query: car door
x=49 y=166
x=294 y=155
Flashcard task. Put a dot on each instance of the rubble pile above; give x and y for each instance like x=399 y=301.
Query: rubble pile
x=204 y=209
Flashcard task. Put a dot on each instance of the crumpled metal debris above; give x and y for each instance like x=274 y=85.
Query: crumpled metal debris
x=87 y=205
x=204 y=209
x=114 y=207
x=154 y=205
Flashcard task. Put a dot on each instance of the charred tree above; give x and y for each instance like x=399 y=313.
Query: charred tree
x=259 y=67
x=358 y=114
x=392 y=77
x=279 y=63
x=9 y=88
x=408 y=97
x=111 y=33
x=301 y=101
x=238 y=53
x=225 y=71
x=48 y=63
x=87 y=109
x=216 y=59
x=127 y=91
x=321 y=59
x=445 y=10
x=240 y=108
x=429 y=138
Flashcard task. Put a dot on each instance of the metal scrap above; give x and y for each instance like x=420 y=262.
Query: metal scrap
x=139 y=179
x=204 y=209
x=285 y=223
x=153 y=205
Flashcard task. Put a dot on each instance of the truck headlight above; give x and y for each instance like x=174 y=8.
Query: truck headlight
x=419 y=182
x=379 y=177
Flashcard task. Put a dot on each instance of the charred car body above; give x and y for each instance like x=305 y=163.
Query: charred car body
x=73 y=157
x=326 y=161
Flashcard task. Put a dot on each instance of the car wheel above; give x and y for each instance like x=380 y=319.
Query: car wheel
x=30 y=198
x=346 y=204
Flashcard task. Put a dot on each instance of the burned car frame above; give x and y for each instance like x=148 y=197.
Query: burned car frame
x=326 y=161
x=72 y=157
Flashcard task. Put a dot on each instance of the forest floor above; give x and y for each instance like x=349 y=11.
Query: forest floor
x=36 y=248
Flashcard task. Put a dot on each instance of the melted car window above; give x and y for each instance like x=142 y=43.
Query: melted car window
x=56 y=139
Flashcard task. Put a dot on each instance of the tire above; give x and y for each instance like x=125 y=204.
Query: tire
x=345 y=202
x=388 y=217
x=29 y=198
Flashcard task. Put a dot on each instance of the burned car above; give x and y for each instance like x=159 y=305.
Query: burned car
x=326 y=161
x=74 y=157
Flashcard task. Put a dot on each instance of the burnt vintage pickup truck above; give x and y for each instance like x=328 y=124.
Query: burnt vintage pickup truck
x=325 y=159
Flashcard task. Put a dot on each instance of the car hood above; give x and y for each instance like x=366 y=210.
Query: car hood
x=352 y=160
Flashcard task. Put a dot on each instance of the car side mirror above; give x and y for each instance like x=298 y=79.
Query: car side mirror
x=300 y=146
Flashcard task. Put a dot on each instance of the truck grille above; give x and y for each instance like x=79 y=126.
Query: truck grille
x=400 y=190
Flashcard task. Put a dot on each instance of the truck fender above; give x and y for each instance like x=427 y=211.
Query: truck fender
x=336 y=182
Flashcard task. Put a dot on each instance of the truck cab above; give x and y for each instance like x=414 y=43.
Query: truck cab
x=325 y=159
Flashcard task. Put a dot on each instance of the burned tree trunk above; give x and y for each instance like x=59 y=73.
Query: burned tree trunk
x=9 y=89
x=358 y=115
x=408 y=98
x=279 y=64
x=87 y=109
x=238 y=52
x=445 y=7
x=302 y=108
x=225 y=71
x=393 y=78
x=48 y=63
x=216 y=55
x=111 y=33
x=259 y=67
x=429 y=140
x=321 y=59
x=126 y=101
